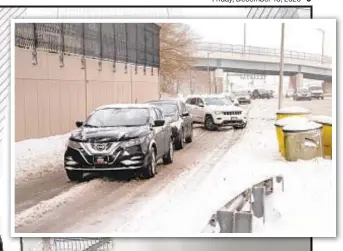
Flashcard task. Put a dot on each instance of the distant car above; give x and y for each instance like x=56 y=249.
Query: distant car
x=289 y=93
x=243 y=97
x=175 y=111
x=119 y=137
x=260 y=94
x=302 y=94
x=215 y=111
x=317 y=92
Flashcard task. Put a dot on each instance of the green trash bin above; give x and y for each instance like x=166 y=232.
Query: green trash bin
x=303 y=141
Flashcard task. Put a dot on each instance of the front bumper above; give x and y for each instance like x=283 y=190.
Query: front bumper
x=319 y=95
x=244 y=101
x=229 y=120
x=122 y=159
x=303 y=97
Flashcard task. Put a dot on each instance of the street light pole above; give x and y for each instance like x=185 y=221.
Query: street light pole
x=208 y=72
x=323 y=43
x=245 y=36
x=281 y=65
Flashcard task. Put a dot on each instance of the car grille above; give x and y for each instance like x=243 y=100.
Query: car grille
x=101 y=146
x=233 y=113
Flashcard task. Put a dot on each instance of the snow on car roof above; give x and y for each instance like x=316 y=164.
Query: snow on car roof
x=114 y=106
x=301 y=126
x=293 y=110
x=322 y=119
x=206 y=96
x=289 y=120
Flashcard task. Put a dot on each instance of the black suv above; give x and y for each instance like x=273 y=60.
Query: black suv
x=179 y=119
x=261 y=94
x=119 y=137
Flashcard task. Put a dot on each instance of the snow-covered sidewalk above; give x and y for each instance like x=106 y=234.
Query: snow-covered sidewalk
x=306 y=208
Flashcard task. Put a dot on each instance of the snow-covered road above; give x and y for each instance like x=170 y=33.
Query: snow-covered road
x=44 y=196
x=181 y=198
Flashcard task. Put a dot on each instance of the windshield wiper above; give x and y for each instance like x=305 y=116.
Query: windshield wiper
x=93 y=126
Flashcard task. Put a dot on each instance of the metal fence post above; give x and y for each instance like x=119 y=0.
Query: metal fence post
x=136 y=65
x=145 y=53
x=258 y=202
x=115 y=48
x=62 y=46
x=225 y=220
x=127 y=47
x=34 y=49
x=83 y=45
x=100 y=44
x=243 y=222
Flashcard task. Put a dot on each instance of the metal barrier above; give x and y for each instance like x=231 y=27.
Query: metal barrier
x=263 y=51
x=70 y=244
x=238 y=214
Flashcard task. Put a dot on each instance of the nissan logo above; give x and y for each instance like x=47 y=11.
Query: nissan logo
x=100 y=146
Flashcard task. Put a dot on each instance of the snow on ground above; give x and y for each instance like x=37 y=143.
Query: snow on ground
x=306 y=208
x=36 y=157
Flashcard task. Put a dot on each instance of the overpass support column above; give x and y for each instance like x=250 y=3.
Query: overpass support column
x=296 y=81
x=219 y=81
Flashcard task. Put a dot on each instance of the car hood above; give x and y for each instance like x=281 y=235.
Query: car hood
x=243 y=96
x=224 y=108
x=171 y=118
x=109 y=134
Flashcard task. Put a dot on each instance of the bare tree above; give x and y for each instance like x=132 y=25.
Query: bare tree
x=177 y=47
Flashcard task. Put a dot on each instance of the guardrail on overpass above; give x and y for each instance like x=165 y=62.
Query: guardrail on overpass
x=262 y=51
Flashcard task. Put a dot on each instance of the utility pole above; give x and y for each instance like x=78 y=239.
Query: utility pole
x=245 y=36
x=21 y=244
x=323 y=43
x=281 y=65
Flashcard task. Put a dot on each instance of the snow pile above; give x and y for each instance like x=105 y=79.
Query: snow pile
x=306 y=208
x=36 y=157
x=322 y=119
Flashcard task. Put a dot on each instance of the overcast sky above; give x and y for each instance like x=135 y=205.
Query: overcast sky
x=301 y=35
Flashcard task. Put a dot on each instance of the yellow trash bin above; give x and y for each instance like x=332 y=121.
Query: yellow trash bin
x=326 y=122
x=279 y=124
x=303 y=141
x=292 y=112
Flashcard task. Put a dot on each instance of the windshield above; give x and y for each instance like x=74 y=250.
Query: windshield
x=216 y=101
x=242 y=93
x=118 y=117
x=167 y=109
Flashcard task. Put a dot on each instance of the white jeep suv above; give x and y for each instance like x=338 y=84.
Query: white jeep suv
x=215 y=111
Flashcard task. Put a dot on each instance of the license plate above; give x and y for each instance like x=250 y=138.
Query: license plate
x=234 y=118
x=100 y=160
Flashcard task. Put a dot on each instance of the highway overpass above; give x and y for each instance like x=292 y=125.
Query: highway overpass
x=265 y=61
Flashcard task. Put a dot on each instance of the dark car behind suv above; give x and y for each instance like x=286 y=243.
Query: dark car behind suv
x=261 y=94
x=176 y=113
x=119 y=137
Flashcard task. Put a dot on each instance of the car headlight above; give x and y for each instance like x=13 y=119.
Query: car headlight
x=217 y=113
x=133 y=142
x=73 y=144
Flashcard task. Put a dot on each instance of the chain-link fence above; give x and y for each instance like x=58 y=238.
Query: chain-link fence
x=68 y=244
x=133 y=43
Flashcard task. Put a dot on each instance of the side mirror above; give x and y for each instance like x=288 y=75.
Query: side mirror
x=185 y=114
x=201 y=105
x=159 y=122
x=79 y=124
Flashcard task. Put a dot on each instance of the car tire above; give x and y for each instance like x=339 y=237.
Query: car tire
x=209 y=123
x=179 y=143
x=75 y=175
x=323 y=98
x=189 y=139
x=149 y=171
x=240 y=126
x=168 y=158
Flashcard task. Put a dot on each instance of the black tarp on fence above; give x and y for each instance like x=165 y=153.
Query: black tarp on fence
x=133 y=43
